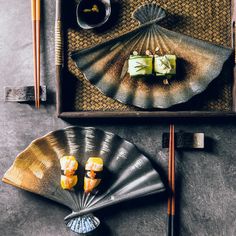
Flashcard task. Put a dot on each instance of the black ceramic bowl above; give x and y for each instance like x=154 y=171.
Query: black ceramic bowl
x=93 y=13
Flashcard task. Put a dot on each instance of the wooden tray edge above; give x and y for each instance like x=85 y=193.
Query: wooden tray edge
x=145 y=114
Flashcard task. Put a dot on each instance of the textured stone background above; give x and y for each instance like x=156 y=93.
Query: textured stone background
x=206 y=179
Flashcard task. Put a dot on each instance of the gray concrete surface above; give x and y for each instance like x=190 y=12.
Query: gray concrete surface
x=206 y=201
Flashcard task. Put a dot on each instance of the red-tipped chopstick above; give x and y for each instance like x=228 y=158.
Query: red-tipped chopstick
x=35 y=5
x=171 y=182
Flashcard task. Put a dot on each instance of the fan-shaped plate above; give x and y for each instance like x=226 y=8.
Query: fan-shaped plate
x=127 y=173
x=105 y=65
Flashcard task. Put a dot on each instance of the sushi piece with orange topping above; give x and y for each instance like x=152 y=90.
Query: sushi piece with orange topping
x=69 y=165
x=93 y=167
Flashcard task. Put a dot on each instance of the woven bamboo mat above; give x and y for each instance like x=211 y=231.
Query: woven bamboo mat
x=203 y=19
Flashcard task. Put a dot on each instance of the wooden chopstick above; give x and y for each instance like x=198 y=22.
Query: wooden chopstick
x=35 y=7
x=171 y=182
x=33 y=14
x=38 y=13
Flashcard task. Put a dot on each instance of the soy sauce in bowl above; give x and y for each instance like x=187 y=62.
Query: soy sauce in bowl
x=92 y=13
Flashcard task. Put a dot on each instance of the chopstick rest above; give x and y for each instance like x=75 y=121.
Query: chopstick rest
x=24 y=94
x=185 y=140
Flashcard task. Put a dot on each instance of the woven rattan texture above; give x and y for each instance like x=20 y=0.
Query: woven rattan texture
x=203 y=19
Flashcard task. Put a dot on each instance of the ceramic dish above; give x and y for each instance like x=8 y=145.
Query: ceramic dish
x=128 y=174
x=97 y=23
x=106 y=65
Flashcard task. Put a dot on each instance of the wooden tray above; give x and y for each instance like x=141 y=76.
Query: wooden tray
x=77 y=98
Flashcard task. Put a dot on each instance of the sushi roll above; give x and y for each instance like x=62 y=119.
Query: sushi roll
x=165 y=65
x=93 y=167
x=69 y=165
x=139 y=65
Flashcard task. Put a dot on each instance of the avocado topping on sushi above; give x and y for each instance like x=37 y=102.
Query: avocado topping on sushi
x=159 y=66
x=140 y=65
x=165 y=65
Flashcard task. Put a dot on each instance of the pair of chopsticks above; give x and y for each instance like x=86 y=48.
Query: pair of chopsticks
x=171 y=182
x=35 y=5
